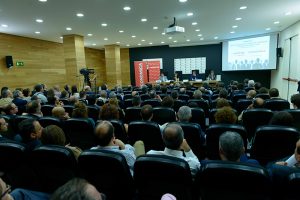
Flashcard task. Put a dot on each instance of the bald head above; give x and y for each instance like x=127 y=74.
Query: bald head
x=173 y=136
x=258 y=103
x=104 y=133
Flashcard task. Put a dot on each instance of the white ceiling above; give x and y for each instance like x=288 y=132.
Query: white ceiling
x=215 y=18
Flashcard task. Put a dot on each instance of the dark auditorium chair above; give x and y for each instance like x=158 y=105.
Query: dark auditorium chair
x=296 y=116
x=156 y=175
x=69 y=109
x=184 y=97
x=132 y=114
x=127 y=96
x=207 y=97
x=212 y=113
x=119 y=129
x=263 y=96
x=293 y=185
x=214 y=96
x=128 y=103
x=190 y=93
x=148 y=132
x=47 y=110
x=177 y=104
x=54 y=166
x=65 y=101
x=80 y=132
x=198 y=116
x=214 y=103
x=201 y=104
x=163 y=115
x=214 y=131
x=253 y=118
x=93 y=112
x=232 y=181
x=242 y=104
x=192 y=134
x=145 y=97
x=108 y=172
x=277 y=104
x=236 y=97
x=152 y=102
x=273 y=142
x=46 y=121
x=20 y=118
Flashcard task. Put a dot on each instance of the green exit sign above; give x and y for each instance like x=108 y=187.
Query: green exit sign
x=19 y=63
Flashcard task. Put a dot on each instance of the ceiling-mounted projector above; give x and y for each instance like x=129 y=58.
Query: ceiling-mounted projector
x=173 y=28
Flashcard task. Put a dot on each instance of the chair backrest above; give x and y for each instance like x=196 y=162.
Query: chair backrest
x=232 y=181
x=198 y=116
x=263 y=96
x=201 y=104
x=242 y=104
x=120 y=132
x=148 y=132
x=273 y=142
x=163 y=115
x=127 y=96
x=20 y=118
x=132 y=114
x=214 y=131
x=108 y=172
x=184 y=97
x=93 y=112
x=277 y=104
x=296 y=116
x=156 y=175
x=80 y=132
x=152 y=102
x=46 y=121
x=293 y=186
x=214 y=103
x=69 y=109
x=65 y=101
x=192 y=134
x=54 y=166
x=128 y=103
x=236 y=97
x=145 y=97
x=177 y=104
x=207 y=97
x=47 y=110
x=253 y=118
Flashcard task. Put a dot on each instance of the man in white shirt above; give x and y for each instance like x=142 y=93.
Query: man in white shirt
x=175 y=143
x=106 y=140
x=162 y=77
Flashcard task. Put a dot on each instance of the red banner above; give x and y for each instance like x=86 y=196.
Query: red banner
x=140 y=71
x=154 y=70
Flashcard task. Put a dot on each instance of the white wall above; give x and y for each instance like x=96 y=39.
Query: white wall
x=282 y=70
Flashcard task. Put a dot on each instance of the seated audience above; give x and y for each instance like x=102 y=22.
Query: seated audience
x=39 y=93
x=274 y=93
x=282 y=118
x=54 y=135
x=6 y=98
x=33 y=109
x=221 y=102
x=11 y=109
x=256 y=103
x=18 y=100
x=106 y=140
x=60 y=113
x=30 y=131
x=3 y=127
x=173 y=138
x=293 y=160
x=295 y=100
x=26 y=94
x=80 y=111
x=147 y=112
x=136 y=101
x=225 y=115
x=251 y=94
x=167 y=102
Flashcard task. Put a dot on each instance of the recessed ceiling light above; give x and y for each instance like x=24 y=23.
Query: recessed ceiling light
x=39 y=20
x=190 y=14
x=89 y=34
x=232 y=32
x=80 y=15
x=216 y=38
x=288 y=13
x=163 y=33
x=139 y=44
x=94 y=44
x=150 y=43
x=201 y=38
x=143 y=20
x=194 y=23
x=143 y=40
x=175 y=41
x=243 y=7
x=197 y=30
x=200 y=35
x=118 y=42
x=61 y=37
x=127 y=8
x=277 y=22
x=133 y=36
x=182 y=1
x=105 y=38
x=267 y=29
x=162 y=42
x=37 y=32
x=68 y=28
x=188 y=40
x=170 y=38
x=234 y=26
x=155 y=27
x=127 y=45
x=4 y=25
x=121 y=31
x=238 y=18
x=104 y=24
x=42 y=0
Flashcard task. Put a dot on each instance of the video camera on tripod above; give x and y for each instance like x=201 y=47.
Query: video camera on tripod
x=86 y=72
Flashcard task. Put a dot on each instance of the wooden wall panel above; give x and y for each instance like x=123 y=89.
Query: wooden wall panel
x=125 y=66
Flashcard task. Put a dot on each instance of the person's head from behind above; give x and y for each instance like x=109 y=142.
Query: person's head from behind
x=273 y=92
x=17 y=94
x=53 y=134
x=74 y=89
x=38 y=88
x=257 y=86
x=80 y=110
x=59 y=112
x=251 y=83
x=152 y=94
x=173 y=136
x=174 y=95
x=147 y=112
x=3 y=125
x=225 y=115
x=30 y=129
x=263 y=90
x=223 y=93
x=104 y=133
x=282 y=118
x=231 y=146
x=33 y=107
x=77 y=189
x=251 y=94
x=167 y=102
x=136 y=100
x=295 y=100
x=221 y=102
x=197 y=94
x=184 y=114
x=109 y=111
x=257 y=103
x=64 y=94
x=26 y=92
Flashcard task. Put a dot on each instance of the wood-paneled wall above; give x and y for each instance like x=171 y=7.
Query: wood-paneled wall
x=44 y=62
